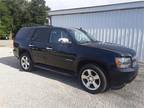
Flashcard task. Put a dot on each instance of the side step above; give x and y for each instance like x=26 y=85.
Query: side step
x=47 y=68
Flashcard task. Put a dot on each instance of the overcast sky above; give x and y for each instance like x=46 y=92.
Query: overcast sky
x=66 y=4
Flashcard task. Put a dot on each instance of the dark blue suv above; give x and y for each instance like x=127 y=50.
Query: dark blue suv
x=97 y=65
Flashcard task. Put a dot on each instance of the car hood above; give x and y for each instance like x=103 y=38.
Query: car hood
x=123 y=51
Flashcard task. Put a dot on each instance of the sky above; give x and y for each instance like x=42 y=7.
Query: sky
x=67 y=4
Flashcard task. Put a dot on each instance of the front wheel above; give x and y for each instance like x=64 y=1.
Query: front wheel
x=26 y=62
x=92 y=79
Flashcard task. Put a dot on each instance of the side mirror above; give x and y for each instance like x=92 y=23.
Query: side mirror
x=64 y=41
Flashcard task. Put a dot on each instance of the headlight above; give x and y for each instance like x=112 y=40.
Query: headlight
x=123 y=62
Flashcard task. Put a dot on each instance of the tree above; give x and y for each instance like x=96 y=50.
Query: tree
x=38 y=11
x=26 y=12
x=18 y=9
x=5 y=21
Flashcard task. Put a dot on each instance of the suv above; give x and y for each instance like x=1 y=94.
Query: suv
x=97 y=65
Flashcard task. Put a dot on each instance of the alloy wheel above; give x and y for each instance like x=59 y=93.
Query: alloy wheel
x=25 y=63
x=90 y=79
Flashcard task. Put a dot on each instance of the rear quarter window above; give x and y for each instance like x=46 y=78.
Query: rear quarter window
x=24 y=33
x=41 y=35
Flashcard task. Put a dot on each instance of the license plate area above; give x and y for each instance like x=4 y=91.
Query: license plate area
x=134 y=64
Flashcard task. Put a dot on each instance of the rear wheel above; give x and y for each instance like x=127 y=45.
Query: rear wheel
x=26 y=62
x=92 y=79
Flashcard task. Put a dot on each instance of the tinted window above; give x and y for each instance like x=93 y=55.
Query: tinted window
x=56 y=34
x=41 y=35
x=24 y=33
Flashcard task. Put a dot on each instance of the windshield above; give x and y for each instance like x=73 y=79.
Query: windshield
x=81 y=36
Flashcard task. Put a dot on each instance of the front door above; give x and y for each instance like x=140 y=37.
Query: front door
x=58 y=54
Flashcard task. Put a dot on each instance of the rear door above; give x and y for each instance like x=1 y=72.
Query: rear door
x=38 y=44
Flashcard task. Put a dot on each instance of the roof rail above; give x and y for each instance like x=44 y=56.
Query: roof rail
x=35 y=25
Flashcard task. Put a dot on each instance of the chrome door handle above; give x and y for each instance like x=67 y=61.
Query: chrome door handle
x=31 y=45
x=48 y=48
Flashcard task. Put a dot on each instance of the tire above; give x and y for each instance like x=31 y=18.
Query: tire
x=118 y=87
x=26 y=62
x=92 y=79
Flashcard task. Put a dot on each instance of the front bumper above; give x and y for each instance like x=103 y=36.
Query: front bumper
x=119 y=77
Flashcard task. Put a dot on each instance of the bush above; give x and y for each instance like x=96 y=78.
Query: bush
x=4 y=37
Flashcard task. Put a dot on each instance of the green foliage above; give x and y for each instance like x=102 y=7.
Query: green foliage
x=5 y=20
x=22 y=12
x=38 y=11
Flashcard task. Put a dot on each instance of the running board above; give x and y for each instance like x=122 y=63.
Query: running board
x=55 y=71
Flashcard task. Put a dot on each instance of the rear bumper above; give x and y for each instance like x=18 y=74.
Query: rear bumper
x=15 y=52
x=119 y=77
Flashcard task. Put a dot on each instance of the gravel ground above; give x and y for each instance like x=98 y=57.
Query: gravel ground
x=6 y=43
x=43 y=89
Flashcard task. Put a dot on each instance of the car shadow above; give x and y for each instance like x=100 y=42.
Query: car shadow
x=10 y=61
x=67 y=78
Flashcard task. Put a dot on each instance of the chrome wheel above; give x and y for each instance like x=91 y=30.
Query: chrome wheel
x=25 y=63
x=90 y=79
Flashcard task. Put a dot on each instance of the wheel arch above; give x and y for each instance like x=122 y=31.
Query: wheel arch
x=22 y=51
x=101 y=65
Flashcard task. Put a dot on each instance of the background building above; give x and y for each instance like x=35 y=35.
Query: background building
x=119 y=23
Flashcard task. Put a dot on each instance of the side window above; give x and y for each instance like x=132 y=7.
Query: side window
x=41 y=35
x=24 y=33
x=56 y=34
